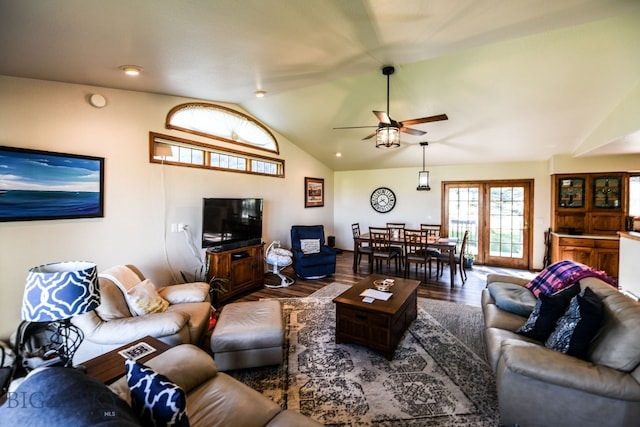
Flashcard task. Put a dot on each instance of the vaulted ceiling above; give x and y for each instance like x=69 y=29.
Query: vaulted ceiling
x=519 y=80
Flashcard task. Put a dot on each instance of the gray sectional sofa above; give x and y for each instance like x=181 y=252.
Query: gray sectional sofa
x=538 y=386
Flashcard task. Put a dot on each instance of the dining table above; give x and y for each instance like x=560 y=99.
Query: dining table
x=443 y=244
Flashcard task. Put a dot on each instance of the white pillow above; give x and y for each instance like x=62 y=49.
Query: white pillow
x=310 y=246
x=143 y=299
x=186 y=292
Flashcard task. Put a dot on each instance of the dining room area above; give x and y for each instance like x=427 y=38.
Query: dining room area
x=396 y=249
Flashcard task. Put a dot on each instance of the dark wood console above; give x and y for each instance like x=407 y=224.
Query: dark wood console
x=242 y=267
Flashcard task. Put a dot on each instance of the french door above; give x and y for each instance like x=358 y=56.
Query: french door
x=497 y=215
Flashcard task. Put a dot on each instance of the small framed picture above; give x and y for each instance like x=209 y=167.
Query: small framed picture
x=137 y=351
x=313 y=192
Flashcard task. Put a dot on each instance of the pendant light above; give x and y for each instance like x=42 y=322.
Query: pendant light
x=423 y=175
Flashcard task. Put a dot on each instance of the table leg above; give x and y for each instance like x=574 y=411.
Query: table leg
x=355 y=259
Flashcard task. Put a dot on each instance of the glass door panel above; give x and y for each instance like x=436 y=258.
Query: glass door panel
x=508 y=226
x=497 y=214
x=463 y=207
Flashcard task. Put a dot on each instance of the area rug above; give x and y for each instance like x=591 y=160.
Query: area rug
x=433 y=379
x=464 y=321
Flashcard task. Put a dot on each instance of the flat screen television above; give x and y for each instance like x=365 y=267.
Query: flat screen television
x=231 y=223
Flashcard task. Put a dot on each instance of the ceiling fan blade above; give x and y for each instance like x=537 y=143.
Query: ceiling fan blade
x=410 y=131
x=435 y=118
x=356 y=127
x=383 y=117
x=371 y=135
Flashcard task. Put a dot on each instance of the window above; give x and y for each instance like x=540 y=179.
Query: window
x=634 y=195
x=177 y=151
x=221 y=123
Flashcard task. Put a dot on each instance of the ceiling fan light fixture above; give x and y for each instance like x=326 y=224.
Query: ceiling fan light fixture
x=423 y=175
x=388 y=137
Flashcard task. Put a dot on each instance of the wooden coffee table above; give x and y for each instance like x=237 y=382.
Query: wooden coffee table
x=109 y=367
x=378 y=325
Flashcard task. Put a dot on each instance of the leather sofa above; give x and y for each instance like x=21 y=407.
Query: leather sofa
x=114 y=324
x=538 y=386
x=215 y=398
x=63 y=397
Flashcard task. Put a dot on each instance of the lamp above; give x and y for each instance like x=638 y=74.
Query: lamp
x=162 y=150
x=57 y=292
x=423 y=175
x=387 y=137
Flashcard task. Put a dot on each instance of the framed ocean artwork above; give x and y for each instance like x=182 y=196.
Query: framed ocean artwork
x=43 y=185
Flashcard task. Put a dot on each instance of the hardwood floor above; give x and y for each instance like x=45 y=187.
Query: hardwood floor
x=439 y=289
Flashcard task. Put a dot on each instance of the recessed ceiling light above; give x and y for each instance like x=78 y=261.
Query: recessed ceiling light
x=338 y=154
x=131 y=70
x=260 y=93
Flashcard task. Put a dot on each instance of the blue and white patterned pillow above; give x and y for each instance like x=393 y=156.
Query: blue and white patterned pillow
x=156 y=400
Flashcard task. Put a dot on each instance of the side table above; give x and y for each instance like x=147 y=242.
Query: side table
x=109 y=367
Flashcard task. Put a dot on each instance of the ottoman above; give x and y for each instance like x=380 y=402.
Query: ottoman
x=247 y=335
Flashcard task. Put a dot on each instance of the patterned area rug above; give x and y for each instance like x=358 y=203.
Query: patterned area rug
x=464 y=321
x=433 y=379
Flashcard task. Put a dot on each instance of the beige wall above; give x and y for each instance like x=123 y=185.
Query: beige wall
x=138 y=207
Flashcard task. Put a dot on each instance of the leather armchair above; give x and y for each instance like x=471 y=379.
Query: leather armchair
x=311 y=258
x=114 y=323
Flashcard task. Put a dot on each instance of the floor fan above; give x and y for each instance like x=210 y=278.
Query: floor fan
x=278 y=258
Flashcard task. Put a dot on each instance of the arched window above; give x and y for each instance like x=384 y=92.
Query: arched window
x=221 y=123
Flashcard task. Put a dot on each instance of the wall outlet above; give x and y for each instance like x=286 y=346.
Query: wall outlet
x=174 y=228
x=180 y=227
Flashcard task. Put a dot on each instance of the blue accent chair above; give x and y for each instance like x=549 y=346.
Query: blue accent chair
x=311 y=265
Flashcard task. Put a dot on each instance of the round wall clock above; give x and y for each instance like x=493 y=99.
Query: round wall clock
x=383 y=200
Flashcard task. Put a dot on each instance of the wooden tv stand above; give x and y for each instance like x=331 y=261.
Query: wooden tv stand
x=243 y=267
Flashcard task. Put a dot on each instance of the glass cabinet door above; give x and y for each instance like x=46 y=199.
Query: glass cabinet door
x=607 y=192
x=571 y=192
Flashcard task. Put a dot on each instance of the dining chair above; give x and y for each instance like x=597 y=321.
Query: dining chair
x=443 y=258
x=396 y=230
x=433 y=230
x=380 y=241
x=360 y=248
x=415 y=251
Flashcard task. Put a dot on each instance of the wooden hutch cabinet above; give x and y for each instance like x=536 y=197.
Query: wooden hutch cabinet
x=589 y=203
x=588 y=210
x=243 y=267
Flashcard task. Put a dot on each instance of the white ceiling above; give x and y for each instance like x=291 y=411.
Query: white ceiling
x=520 y=80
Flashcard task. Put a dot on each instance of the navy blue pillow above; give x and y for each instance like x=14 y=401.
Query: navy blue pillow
x=548 y=309
x=578 y=326
x=156 y=400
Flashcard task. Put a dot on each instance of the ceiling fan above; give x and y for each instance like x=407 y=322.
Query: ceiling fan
x=386 y=122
